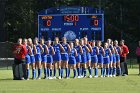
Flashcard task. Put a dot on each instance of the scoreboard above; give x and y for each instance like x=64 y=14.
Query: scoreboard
x=71 y=26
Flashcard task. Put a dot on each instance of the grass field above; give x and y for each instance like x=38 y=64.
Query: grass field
x=129 y=84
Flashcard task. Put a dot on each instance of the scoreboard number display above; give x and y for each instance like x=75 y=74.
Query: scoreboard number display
x=72 y=26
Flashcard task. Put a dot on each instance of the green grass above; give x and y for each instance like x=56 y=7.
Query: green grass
x=129 y=84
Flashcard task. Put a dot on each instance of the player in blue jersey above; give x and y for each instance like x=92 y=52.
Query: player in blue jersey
x=44 y=57
x=78 y=57
x=118 y=57
x=84 y=58
x=94 y=58
x=58 y=48
x=112 y=57
x=32 y=58
x=38 y=50
x=100 y=56
x=64 y=56
x=50 y=59
x=72 y=60
x=106 y=59
x=27 y=58
x=88 y=56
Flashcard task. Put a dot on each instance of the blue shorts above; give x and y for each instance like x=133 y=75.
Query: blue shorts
x=32 y=59
x=38 y=58
x=27 y=58
x=84 y=59
x=49 y=59
x=111 y=58
x=78 y=58
x=44 y=58
x=65 y=57
x=88 y=56
x=57 y=57
x=72 y=60
x=100 y=59
x=114 y=58
x=94 y=59
x=117 y=58
x=106 y=60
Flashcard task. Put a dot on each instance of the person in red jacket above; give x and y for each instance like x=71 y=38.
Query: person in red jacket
x=19 y=52
x=138 y=55
x=123 y=56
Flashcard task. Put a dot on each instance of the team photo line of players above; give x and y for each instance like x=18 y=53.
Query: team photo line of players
x=78 y=55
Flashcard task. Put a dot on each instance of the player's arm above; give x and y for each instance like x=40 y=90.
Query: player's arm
x=61 y=47
x=30 y=50
x=110 y=53
x=69 y=49
x=24 y=50
x=53 y=53
x=75 y=52
x=90 y=48
x=103 y=51
x=115 y=50
x=35 y=50
x=42 y=49
x=46 y=49
x=87 y=49
x=81 y=50
x=97 y=50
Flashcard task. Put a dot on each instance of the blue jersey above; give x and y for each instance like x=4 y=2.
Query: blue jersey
x=118 y=50
x=100 y=51
x=38 y=49
x=107 y=52
x=27 y=57
x=88 y=54
x=57 y=49
x=44 y=48
x=100 y=55
x=65 y=46
x=106 y=57
x=84 y=55
x=72 y=59
x=94 y=51
x=78 y=58
x=49 y=55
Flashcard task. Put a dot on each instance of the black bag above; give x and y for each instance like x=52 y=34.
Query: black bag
x=19 y=71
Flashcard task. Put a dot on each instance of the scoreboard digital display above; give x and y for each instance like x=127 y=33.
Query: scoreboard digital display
x=72 y=25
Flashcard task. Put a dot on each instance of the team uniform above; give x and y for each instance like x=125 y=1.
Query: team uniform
x=28 y=61
x=49 y=60
x=94 y=59
x=118 y=59
x=112 y=59
x=44 y=59
x=57 y=56
x=72 y=60
x=84 y=60
x=27 y=57
x=44 y=55
x=100 y=59
x=106 y=61
x=38 y=58
x=64 y=57
x=78 y=58
x=32 y=58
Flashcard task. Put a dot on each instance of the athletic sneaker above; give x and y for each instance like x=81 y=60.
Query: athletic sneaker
x=59 y=77
x=38 y=78
x=78 y=77
x=27 y=79
x=82 y=76
x=101 y=76
x=54 y=77
x=95 y=76
x=110 y=75
x=114 y=75
x=90 y=76
x=50 y=78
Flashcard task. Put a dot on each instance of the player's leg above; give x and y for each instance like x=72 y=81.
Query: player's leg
x=74 y=70
x=33 y=71
x=78 y=69
x=54 y=69
x=89 y=68
x=59 y=69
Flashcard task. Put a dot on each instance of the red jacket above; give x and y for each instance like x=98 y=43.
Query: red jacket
x=125 y=51
x=20 y=51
